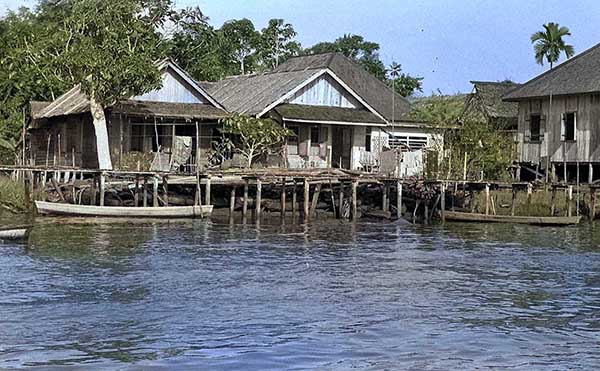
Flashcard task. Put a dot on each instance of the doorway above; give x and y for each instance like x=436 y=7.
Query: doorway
x=341 y=147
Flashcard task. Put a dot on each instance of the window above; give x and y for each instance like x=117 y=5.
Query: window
x=569 y=126
x=314 y=135
x=368 y=140
x=414 y=142
x=137 y=138
x=534 y=128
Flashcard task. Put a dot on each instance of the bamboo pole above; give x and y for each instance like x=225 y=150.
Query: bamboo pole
x=294 y=200
x=306 y=200
x=258 y=198
x=399 y=199
x=245 y=201
x=354 y=199
x=283 y=200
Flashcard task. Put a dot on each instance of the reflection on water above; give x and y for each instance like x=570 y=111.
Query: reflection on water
x=330 y=295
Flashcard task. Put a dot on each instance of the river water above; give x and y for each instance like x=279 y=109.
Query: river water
x=203 y=295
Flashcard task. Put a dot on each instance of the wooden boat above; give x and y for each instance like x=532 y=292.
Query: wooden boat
x=51 y=208
x=14 y=233
x=533 y=220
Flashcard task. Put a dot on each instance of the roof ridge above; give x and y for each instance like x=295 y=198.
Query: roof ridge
x=553 y=70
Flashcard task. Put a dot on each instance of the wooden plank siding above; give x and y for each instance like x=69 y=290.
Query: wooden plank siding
x=174 y=90
x=586 y=146
x=325 y=91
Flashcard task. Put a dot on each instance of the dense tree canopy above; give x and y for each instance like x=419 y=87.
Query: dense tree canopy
x=110 y=46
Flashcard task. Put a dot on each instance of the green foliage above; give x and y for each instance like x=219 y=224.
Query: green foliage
x=549 y=44
x=277 y=44
x=254 y=137
x=366 y=53
x=112 y=48
x=465 y=133
x=13 y=196
x=242 y=39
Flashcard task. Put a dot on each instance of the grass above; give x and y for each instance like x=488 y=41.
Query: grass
x=540 y=205
x=14 y=197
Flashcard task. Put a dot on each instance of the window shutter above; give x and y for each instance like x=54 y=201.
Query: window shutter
x=562 y=127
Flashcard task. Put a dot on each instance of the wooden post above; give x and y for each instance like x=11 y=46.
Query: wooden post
x=198 y=195
x=92 y=190
x=145 y=201
x=155 y=191
x=102 y=188
x=384 y=198
x=315 y=200
x=592 y=203
x=513 y=205
x=341 y=205
x=283 y=201
x=472 y=200
x=487 y=199
x=245 y=201
x=136 y=192
x=443 y=202
x=570 y=201
x=294 y=200
x=590 y=173
x=232 y=202
x=166 y=189
x=354 y=199
x=306 y=200
x=529 y=194
x=553 y=202
x=258 y=198
x=399 y=199
x=207 y=191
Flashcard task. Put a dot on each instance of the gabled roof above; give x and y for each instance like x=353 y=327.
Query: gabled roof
x=253 y=94
x=578 y=75
x=300 y=112
x=490 y=96
x=75 y=100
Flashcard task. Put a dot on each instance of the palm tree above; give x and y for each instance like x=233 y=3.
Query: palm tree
x=549 y=44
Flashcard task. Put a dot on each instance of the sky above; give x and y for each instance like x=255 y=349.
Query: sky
x=447 y=42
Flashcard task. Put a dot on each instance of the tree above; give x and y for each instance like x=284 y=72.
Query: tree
x=242 y=39
x=112 y=48
x=254 y=137
x=366 y=53
x=277 y=44
x=549 y=44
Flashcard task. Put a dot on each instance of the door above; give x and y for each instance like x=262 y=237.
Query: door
x=341 y=149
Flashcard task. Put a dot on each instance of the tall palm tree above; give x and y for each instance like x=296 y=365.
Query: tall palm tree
x=549 y=44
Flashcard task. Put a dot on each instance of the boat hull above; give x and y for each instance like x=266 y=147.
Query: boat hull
x=532 y=220
x=51 y=208
x=14 y=234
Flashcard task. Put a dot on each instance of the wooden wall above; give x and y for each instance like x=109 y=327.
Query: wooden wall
x=586 y=147
x=325 y=91
x=174 y=89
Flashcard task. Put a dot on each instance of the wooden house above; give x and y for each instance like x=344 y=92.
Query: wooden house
x=168 y=121
x=559 y=112
x=341 y=115
x=487 y=100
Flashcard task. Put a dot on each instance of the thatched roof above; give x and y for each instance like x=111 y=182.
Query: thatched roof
x=253 y=94
x=490 y=96
x=296 y=112
x=578 y=75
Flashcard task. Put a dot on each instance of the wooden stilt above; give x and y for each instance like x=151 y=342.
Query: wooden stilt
x=283 y=201
x=399 y=198
x=592 y=203
x=590 y=173
x=354 y=199
x=306 y=200
x=294 y=200
x=513 y=205
x=384 y=197
x=232 y=202
x=529 y=195
x=443 y=202
x=570 y=201
x=472 y=200
x=207 y=191
x=553 y=202
x=92 y=190
x=136 y=192
x=341 y=205
x=245 y=201
x=102 y=188
x=315 y=200
x=258 y=198
x=166 y=189
x=145 y=195
x=155 y=191
x=487 y=199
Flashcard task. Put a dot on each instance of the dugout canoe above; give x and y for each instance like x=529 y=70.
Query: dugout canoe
x=457 y=216
x=52 y=208
x=14 y=233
